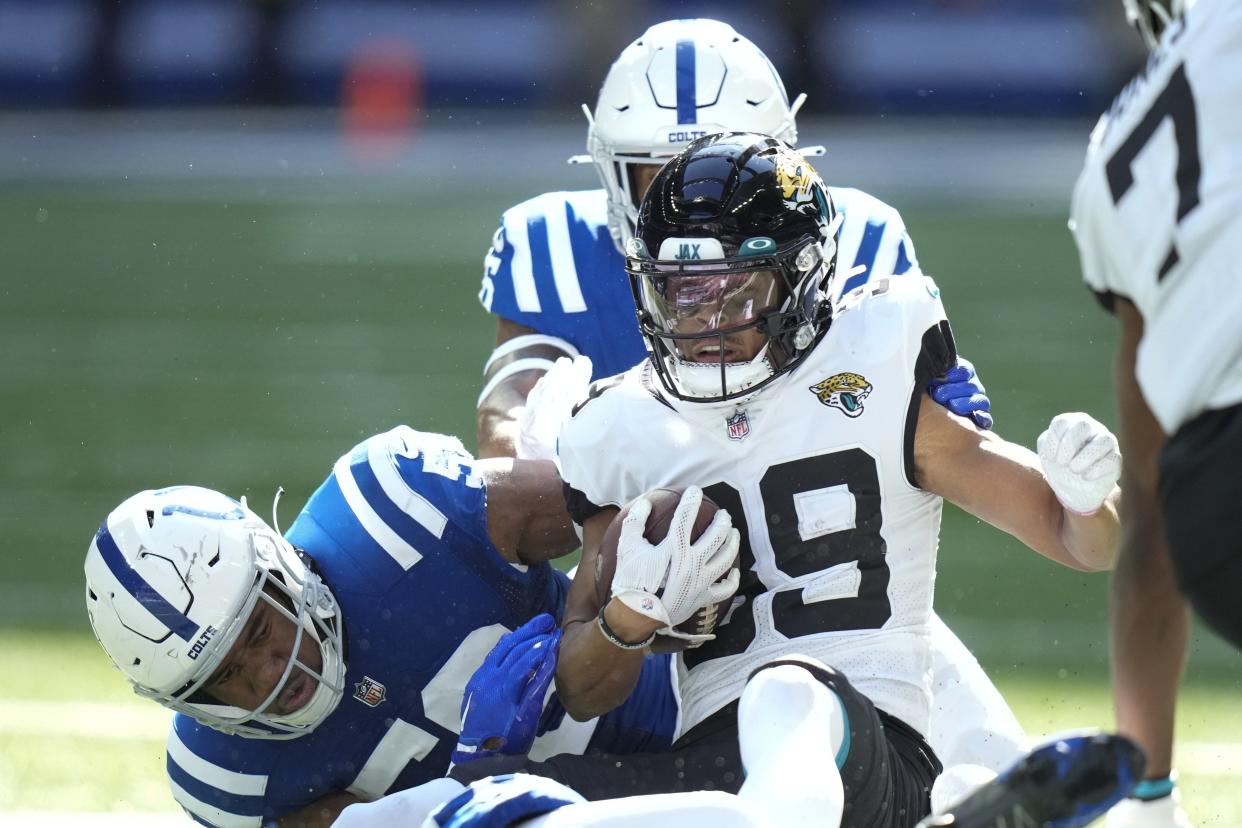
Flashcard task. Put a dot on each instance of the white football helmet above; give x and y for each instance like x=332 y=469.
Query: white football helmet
x=1151 y=17
x=172 y=577
x=681 y=80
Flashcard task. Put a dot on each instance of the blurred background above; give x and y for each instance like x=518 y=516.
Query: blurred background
x=236 y=237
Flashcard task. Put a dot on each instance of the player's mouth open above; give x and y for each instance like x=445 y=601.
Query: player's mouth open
x=298 y=693
x=714 y=354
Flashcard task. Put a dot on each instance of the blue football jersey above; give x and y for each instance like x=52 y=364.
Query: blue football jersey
x=398 y=531
x=554 y=268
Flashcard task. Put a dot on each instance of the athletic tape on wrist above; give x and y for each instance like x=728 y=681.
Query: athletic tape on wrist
x=515 y=367
x=509 y=346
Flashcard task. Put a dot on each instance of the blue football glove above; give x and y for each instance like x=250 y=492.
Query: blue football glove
x=960 y=391
x=504 y=698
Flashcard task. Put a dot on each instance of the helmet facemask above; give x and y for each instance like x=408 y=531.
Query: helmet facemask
x=287 y=585
x=1152 y=17
x=697 y=315
x=173 y=578
x=621 y=172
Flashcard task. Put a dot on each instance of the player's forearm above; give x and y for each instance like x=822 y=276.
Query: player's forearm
x=497 y=432
x=1091 y=542
x=1149 y=635
x=496 y=417
x=593 y=675
x=521 y=357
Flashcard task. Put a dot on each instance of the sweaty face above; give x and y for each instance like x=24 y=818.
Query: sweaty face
x=257 y=660
x=693 y=305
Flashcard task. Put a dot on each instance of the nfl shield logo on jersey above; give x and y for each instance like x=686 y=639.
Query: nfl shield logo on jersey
x=370 y=692
x=739 y=426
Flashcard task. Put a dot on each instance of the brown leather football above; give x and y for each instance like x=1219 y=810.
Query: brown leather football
x=663 y=505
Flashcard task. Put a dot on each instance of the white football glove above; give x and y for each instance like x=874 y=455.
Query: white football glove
x=1081 y=460
x=1165 y=812
x=670 y=580
x=549 y=405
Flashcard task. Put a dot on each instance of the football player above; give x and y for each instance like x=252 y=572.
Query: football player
x=554 y=277
x=555 y=280
x=1155 y=215
x=325 y=667
x=788 y=724
x=808 y=421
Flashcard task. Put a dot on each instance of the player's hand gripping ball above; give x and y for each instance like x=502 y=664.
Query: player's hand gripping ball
x=687 y=579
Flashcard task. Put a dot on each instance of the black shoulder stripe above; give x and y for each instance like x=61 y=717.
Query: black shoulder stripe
x=580 y=508
x=1108 y=299
x=937 y=355
x=596 y=389
x=652 y=389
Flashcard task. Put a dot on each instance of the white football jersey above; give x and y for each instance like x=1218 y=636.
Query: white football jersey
x=838 y=543
x=1157 y=213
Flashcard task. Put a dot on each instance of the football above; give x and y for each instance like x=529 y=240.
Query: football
x=663 y=506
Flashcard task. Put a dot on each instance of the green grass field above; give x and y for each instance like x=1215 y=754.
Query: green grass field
x=244 y=344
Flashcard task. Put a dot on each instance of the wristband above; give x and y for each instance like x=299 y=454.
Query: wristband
x=616 y=640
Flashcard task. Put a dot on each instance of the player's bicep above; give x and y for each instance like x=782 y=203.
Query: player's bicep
x=583 y=602
x=996 y=481
x=526 y=517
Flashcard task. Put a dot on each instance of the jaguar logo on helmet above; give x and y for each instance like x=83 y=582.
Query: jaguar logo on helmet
x=797 y=178
x=844 y=392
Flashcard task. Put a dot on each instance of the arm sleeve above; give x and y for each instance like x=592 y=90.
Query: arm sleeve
x=442 y=487
x=212 y=789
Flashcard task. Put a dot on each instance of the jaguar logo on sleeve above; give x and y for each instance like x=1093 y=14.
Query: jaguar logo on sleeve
x=844 y=392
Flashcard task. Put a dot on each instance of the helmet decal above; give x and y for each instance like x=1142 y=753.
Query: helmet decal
x=174 y=619
x=234 y=514
x=687 y=105
x=757 y=246
x=796 y=176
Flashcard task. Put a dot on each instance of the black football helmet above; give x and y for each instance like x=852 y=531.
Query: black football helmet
x=736 y=236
